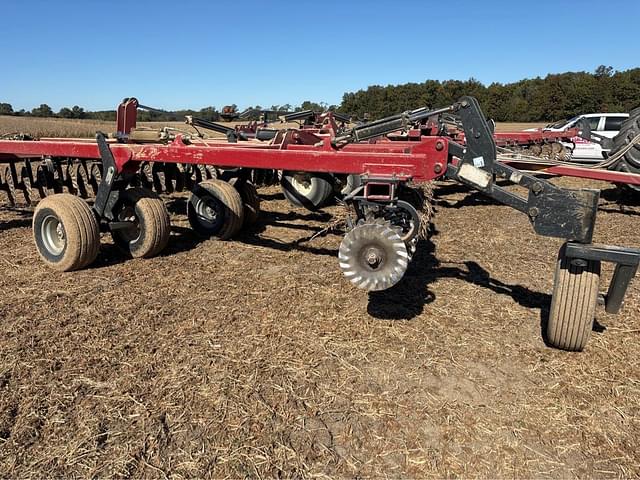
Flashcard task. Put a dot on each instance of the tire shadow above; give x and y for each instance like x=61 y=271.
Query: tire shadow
x=25 y=219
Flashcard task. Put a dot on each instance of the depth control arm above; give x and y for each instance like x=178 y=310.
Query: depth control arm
x=553 y=211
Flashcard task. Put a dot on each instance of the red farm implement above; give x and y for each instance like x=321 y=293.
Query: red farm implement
x=388 y=157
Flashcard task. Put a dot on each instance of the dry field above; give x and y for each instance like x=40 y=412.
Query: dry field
x=255 y=358
x=60 y=127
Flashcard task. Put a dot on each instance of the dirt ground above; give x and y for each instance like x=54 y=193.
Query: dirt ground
x=256 y=358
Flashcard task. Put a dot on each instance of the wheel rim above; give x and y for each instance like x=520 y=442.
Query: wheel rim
x=53 y=235
x=302 y=183
x=132 y=233
x=406 y=217
x=209 y=213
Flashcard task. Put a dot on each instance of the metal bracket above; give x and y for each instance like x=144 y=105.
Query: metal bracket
x=553 y=211
x=626 y=260
x=107 y=195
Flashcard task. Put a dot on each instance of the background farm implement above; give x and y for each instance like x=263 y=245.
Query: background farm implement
x=381 y=165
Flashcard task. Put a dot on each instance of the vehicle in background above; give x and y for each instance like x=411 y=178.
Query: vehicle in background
x=606 y=124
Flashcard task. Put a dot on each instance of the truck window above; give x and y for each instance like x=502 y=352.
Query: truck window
x=593 y=122
x=613 y=123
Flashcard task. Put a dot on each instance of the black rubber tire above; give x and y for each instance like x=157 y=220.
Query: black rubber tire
x=153 y=226
x=573 y=304
x=219 y=197
x=630 y=162
x=80 y=240
x=320 y=189
x=250 y=200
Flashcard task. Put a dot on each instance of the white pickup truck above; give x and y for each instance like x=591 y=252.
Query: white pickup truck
x=606 y=124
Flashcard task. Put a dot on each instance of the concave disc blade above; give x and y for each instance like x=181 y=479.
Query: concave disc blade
x=387 y=247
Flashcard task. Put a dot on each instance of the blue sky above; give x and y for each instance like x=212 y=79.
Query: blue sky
x=191 y=54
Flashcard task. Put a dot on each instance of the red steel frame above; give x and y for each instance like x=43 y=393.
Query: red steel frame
x=421 y=161
x=417 y=160
x=420 y=158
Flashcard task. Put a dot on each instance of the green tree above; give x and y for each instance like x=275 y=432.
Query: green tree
x=43 y=110
x=78 y=112
x=209 y=113
x=6 y=109
x=65 y=113
x=308 y=105
x=603 y=71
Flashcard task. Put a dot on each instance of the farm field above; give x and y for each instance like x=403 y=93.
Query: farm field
x=61 y=127
x=256 y=358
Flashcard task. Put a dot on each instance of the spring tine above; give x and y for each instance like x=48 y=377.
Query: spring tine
x=57 y=178
x=15 y=183
x=181 y=177
x=95 y=176
x=41 y=180
x=2 y=184
x=9 y=186
x=187 y=174
x=201 y=173
x=80 y=178
x=146 y=175
x=157 y=177
x=25 y=183
x=70 y=178
x=84 y=179
x=28 y=181
x=169 y=172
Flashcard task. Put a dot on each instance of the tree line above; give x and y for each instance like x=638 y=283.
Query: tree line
x=207 y=113
x=553 y=97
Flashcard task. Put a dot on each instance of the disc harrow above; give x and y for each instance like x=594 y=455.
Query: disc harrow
x=387 y=164
x=24 y=182
x=555 y=151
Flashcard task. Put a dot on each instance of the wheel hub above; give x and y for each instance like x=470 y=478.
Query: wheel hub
x=302 y=183
x=53 y=235
x=130 y=233
x=208 y=212
x=374 y=257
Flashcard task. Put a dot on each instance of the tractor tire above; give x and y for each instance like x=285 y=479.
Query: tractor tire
x=307 y=190
x=151 y=228
x=250 y=200
x=629 y=130
x=573 y=304
x=215 y=209
x=66 y=232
